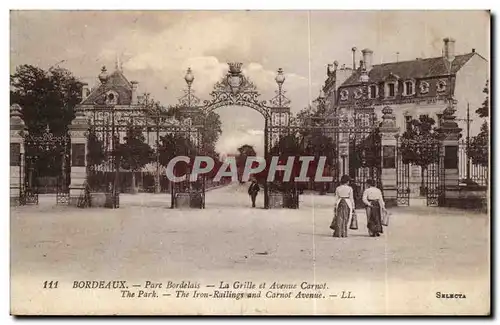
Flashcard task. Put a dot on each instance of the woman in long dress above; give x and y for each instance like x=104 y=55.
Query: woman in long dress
x=344 y=208
x=375 y=206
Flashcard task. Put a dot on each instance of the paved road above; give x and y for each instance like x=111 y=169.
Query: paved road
x=424 y=250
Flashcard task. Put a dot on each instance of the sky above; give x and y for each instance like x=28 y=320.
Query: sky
x=156 y=47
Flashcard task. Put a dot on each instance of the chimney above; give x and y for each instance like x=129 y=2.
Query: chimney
x=473 y=50
x=354 y=49
x=135 y=85
x=367 y=58
x=449 y=48
x=85 y=91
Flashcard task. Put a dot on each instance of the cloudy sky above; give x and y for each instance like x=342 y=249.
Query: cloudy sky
x=156 y=47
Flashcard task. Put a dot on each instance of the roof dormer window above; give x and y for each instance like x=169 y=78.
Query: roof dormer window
x=344 y=94
x=409 y=88
x=373 y=91
x=111 y=98
x=390 y=89
x=424 y=87
x=441 y=86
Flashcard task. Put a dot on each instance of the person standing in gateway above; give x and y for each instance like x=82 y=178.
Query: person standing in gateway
x=253 y=190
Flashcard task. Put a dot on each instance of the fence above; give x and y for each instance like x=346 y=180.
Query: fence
x=475 y=173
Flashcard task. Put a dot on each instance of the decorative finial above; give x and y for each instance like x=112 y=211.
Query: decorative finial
x=103 y=76
x=388 y=118
x=235 y=67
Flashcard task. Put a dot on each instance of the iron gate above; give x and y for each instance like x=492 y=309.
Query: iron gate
x=434 y=175
x=45 y=155
x=402 y=175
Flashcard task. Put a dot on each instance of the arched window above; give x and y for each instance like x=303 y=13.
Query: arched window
x=391 y=89
x=409 y=88
x=373 y=91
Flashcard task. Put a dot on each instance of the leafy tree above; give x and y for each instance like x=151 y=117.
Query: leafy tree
x=483 y=111
x=95 y=149
x=175 y=144
x=46 y=97
x=135 y=152
x=478 y=148
x=319 y=145
x=212 y=127
x=419 y=144
x=244 y=152
x=366 y=153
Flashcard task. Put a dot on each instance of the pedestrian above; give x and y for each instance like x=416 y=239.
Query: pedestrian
x=344 y=208
x=253 y=190
x=375 y=206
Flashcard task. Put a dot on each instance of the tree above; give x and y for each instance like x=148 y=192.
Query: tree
x=320 y=145
x=478 y=147
x=134 y=153
x=95 y=151
x=173 y=145
x=419 y=145
x=244 y=152
x=483 y=111
x=46 y=97
x=211 y=127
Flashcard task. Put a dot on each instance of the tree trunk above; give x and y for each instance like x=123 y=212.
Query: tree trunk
x=133 y=188
x=157 y=183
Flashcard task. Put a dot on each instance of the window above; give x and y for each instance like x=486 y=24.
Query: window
x=408 y=122
x=344 y=94
x=424 y=87
x=441 y=86
x=111 y=98
x=392 y=90
x=373 y=91
x=409 y=88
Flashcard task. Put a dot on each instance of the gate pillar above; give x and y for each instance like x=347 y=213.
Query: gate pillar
x=388 y=178
x=17 y=175
x=448 y=158
x=78 y=133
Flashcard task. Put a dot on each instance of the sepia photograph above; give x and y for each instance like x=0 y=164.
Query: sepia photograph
x=250 y=162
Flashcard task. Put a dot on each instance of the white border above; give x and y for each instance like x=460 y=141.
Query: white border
x=187 y=4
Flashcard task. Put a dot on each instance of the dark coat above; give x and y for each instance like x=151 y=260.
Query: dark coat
x=253 y=189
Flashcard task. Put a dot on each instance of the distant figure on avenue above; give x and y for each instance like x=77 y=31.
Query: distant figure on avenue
x=253 y=190
x=344 y=208
x=375 y=206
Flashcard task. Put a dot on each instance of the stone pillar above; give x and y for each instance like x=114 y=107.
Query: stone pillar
x=17 y=159
x=78 y=132
x=450 y=135
x=388 y=133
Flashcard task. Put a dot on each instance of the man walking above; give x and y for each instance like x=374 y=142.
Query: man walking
x=253 y=190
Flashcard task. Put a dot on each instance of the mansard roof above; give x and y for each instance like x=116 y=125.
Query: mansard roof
x=415 y=69
x=116 y=82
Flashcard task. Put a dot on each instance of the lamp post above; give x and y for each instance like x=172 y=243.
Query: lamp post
x=468 y=121
x=189 y=78
x=280 y=79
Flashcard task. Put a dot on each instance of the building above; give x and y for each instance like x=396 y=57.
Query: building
x=411 y=88
x=114 y=104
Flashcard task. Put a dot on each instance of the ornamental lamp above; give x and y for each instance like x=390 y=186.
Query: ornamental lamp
x=280 y=77
x=189 y=77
